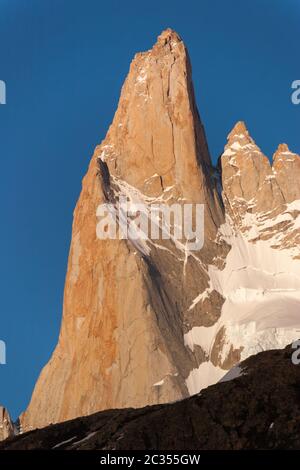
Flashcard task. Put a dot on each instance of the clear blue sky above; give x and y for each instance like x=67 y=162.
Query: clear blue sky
x=64 y=63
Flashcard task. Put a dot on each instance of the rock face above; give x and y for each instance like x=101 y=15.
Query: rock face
x=260 y=281
x=256 y=406
x=262 y=199
x=149 y=321
x=126 y=304
x=6 y=425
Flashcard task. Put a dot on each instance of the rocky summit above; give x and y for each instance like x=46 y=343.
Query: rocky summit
x=150 y=321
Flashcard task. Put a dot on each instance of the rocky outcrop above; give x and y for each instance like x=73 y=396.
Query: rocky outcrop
x=6 y=425
x=256 y=406
x=247 y=176
x=260 y=281
x=286 y=169
x=127 y=303
x=262 y=199
x=148 y=321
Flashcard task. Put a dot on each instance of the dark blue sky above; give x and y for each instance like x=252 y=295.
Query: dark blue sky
x=64 y=62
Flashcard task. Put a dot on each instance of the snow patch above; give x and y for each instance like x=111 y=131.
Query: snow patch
x=261 y=287
x=206 y=374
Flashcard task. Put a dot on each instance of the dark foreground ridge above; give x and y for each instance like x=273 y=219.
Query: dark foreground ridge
x=260 y=409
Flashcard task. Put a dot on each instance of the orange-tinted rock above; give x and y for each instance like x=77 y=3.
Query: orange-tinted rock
x=130 y=308
x=125 y=311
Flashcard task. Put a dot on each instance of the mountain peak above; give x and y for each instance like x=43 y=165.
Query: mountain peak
x=156 y=152
x=239 y=130
x=283 y=150
x=173 y=147
x=169 y=43
x=167 y=36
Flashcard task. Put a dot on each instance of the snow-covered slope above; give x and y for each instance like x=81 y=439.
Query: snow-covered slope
x=261 y=278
